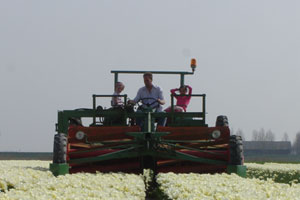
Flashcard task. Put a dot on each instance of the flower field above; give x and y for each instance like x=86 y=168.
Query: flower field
x=30 y=180
x=280 y=173
x=223 y=187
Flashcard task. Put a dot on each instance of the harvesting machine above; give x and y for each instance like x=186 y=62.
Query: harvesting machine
x=113 y=142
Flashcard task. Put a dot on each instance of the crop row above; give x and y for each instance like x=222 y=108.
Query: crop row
x=280 y=173
x=223 y=187
x=30 y=180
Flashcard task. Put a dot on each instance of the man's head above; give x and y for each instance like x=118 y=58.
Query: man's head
x=148 y=79
x=119 y=87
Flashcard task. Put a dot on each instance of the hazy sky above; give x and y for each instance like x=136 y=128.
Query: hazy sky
x=55 y=54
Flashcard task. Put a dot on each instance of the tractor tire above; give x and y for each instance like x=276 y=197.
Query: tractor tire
x=60 y=148
x=222 y=120
x=236 y=150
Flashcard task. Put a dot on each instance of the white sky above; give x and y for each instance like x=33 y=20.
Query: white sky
x=55 y=54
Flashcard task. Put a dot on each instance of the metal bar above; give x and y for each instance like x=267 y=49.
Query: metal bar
x=172 y=109
x=177 y=114
x=148 y=122
x=87 y=113
x=194 y=149
x=115 y=142
x=172 y=103
x=181 y=80
x=114 y=155
x=125 y=100
x=62 y=126
x=193 y=95
x=159 y=134
x=98 y=149
x=94 y=108
x=92 y=113
x=136 y=114
x=187 y=141
x=116 y=80
x=183 y=156
x=110 y=95
x=204 y=107
x=153 y=72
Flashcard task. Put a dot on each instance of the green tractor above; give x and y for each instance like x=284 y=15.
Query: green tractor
x=113 y=142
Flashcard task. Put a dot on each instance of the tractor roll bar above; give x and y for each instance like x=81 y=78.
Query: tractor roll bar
x=181 y=73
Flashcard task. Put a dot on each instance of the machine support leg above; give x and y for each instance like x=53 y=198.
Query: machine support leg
x=237 y=169
x=59 y=169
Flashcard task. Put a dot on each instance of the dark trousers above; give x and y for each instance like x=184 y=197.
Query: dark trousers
x=161 y=121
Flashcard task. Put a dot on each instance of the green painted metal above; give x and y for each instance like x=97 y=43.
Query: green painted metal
x=181 y=79
x=204 y=107
x=153 y=72
x=59 y=168
x=240 y=170
x=116 y=80
x=62 y=126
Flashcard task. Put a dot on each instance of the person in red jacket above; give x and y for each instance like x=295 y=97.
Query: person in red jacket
x=182 y=101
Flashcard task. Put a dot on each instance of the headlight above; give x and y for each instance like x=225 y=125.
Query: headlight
x=216 y=134
x=79 y=135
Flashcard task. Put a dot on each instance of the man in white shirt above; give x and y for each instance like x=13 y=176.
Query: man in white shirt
x=150 y=95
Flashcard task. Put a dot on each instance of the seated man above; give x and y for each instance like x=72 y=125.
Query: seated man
x=152 y=96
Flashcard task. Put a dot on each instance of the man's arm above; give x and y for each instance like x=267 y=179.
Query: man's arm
x=161 y=101
x=137 y=98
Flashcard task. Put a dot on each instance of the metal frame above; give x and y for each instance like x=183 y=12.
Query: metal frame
x=148 y=142
x=181 y=73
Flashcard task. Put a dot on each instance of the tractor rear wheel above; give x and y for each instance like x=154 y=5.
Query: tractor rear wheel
x=60 y=148
x=236 y=150
x=222 y=120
